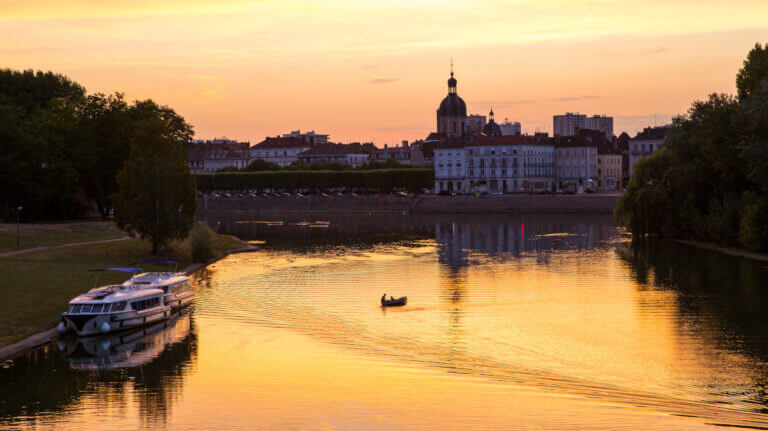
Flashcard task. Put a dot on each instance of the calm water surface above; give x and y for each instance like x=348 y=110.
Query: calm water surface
x=530 y=321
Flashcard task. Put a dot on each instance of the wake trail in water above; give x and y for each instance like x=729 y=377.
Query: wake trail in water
x=272 y=310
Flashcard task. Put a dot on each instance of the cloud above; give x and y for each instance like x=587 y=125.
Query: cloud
x=657 y=50
x=382 y=80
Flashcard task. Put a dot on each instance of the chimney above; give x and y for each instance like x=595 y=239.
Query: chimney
x=385 y=146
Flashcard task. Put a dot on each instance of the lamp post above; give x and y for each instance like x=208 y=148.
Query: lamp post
x=18 y=225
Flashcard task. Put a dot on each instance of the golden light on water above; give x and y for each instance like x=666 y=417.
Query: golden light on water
x=377 y=70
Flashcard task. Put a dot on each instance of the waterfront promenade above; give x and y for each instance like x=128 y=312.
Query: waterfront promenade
x=584 y=203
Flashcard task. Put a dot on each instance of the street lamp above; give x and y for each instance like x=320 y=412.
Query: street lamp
x=18 y=225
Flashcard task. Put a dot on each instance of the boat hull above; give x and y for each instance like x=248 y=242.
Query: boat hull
x=85 y=325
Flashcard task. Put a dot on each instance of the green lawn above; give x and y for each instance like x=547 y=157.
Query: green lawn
x=51 y=234
x=36 y=286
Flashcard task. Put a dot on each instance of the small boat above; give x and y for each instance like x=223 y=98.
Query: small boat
x=393 y=302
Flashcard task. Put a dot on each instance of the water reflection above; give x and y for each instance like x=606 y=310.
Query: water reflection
x=146 y=367
x=722 y=297
x=561 y=305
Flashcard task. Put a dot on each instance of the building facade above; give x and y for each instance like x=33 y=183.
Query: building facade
x=310 y=136
x=495 y=164
x=401 y=154
x=645 y=143
x=576 y=163
x=609 y=172
x=212 y=155
x=280 y=150
x=601 y=123
x=476 y=122
x=568 y=124
x=346 y=154
x=510 y=128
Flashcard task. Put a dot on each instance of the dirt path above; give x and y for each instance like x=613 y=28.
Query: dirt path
x=72 y=244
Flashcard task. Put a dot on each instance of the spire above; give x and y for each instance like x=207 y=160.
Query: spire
x=490 y=115
x=452 y=81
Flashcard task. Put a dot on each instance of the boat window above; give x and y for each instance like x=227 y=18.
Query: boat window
x=86 y=308
x=181 y=287
x=97 y=308
x=146 y=303
x=76 y=308
x=119 y=306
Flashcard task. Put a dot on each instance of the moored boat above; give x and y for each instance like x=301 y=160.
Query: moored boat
x=175 y=285
x=145 y=298
x=115 y=307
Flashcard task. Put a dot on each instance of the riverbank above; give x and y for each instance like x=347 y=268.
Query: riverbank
x=35 y=235
x=38 y=284
x=733 y=251
x=584 y=203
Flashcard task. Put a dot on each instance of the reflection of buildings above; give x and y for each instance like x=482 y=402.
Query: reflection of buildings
x=509 y=236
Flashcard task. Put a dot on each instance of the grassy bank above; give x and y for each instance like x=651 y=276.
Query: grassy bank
x=53 y=234
x=37 y=286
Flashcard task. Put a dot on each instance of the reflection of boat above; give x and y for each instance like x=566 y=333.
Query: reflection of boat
x=145 y=298
x=393 y=302
x=127 y=349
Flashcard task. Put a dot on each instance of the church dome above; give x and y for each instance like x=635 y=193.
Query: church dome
x=452 y=106
x=492 y=129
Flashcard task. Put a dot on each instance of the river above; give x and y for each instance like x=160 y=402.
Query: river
x=512 y=322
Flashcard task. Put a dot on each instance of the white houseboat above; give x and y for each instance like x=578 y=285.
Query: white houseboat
x=145 y=298
x=175 y=285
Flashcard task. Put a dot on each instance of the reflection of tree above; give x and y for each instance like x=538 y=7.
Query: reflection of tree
x=44 y=382
x=722 y=296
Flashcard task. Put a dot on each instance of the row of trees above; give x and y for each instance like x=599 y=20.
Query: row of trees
x=65 y=153
x=62 y=149
x=259 y=165
x=383 y=180
x=710 y=180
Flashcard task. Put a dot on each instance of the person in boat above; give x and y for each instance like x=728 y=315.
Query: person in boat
x=391 y=298
x=383 y=298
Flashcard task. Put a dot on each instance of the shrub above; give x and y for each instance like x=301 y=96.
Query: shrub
x=382 y=180
x=202 y=242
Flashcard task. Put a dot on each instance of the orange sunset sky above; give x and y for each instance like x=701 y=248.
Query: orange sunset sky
x=377 y=70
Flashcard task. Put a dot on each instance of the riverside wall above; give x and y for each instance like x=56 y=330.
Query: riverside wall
x=584 y=203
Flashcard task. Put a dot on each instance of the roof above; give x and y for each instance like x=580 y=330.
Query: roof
x=652 y=133
x=483 y=139
x=491 y=128
x=283 y=142
x=331 y=150
x=205 y=150
x=452 y=106
x=572 y=141
x=393 y=150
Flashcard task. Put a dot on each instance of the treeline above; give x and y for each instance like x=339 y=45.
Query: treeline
x=382 y=180
x=710 y=180
x=61 y=149
x=259 y=165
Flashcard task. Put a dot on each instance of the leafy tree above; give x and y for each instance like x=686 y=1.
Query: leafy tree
x=261 y=165
x=710 y=181
x=105 y=129
x=156 y=196
x=755 y=70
